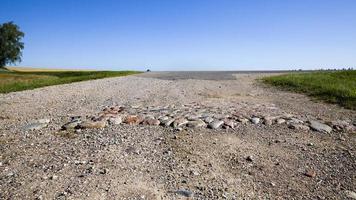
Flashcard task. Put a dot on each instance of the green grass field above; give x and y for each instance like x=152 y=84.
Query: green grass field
x=11 y=81
x=334 y=87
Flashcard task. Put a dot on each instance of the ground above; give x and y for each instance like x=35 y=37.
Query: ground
x=251 y=161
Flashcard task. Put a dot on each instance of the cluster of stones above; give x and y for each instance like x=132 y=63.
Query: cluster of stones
x=195 y=116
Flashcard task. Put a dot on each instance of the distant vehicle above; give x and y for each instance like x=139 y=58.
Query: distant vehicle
x=148 y=70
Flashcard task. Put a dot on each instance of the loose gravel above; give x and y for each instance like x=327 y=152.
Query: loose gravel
x=174 y=136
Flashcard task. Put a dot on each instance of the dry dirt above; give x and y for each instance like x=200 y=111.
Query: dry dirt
x=154 y=162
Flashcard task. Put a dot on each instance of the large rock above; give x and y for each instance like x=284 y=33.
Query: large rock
x=320 y=127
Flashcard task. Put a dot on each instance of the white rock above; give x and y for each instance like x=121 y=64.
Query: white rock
x=255 y=120
x=317 y=126
x=281 y=121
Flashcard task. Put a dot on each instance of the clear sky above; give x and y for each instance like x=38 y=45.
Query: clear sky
x=185 y=34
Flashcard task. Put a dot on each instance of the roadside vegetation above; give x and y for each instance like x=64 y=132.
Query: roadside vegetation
x=11 y=81
x=333 y=87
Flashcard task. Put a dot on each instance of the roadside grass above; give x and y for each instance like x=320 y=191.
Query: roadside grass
x=11 y=81
x=333 y=87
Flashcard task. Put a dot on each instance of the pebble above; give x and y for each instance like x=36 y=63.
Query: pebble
x=310 y=173
x=90 y=124
x=179 y=122
x=43 y=121
x=243 y=120
x=320 y=127
x=209 y=119
x=280 y=121
x=185 y=193
x=255 y=120
x=168 y=122
x=196 y=124
x=268 y=121
x=163 y=118
x=249 y=158
x=133 y=120
x=193 y=117
x=216 y=124
x=35 y=126
x=229 y=123
x=71 y=125
x=115 y=120
x=299 y=127
x=295 y=121
x=151 y=122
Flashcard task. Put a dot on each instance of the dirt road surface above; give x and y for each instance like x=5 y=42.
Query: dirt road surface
x=122 y=161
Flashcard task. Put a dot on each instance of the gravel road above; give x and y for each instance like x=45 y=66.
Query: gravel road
x=288 y=158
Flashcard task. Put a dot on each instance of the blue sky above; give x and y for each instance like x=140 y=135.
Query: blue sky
x=185 y=34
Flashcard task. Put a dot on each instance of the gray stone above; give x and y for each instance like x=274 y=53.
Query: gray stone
x=196 y=124
x=185 y=193
x=216 y=124
x=209 y=119
x=317 y=126
x=179 y=122
x=167 y=123
x=43 y=121
x=193 y=117
x=299 y=127
x=35 y=126
x=163 y=118
x=295 y=121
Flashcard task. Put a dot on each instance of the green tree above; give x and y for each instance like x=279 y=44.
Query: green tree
x=10 y=44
